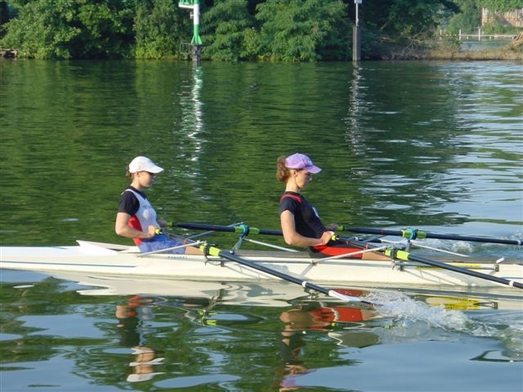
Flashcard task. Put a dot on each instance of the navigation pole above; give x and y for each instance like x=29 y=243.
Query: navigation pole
x=196 y=42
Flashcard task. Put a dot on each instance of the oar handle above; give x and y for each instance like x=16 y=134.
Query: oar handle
x=413 y=234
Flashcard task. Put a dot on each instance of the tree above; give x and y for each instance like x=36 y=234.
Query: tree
x=402 y=28
x=232 y=30
x=500 y=5
x=408 y=18
x=468 y=19
x=106 y=29
x=4 y=12
x=42 y=31
x=295 y=30
x=157 y=27
x=63 y=29
x=229 y=33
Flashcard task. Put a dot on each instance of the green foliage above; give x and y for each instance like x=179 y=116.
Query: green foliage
x=468 y=20
x=229 y=31
x=63 y=29
x=500 y=5
x=41 y=31
x=106 y=30
x=297 y=30
x=408 y=19
x=497 y=23
x=232 y=30
x=157 y=28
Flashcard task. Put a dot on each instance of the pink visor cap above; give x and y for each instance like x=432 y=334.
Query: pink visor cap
x=301 y=162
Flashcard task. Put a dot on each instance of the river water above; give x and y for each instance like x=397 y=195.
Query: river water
x=431 y=145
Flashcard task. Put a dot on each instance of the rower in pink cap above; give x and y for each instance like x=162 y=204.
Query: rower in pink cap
x=300 y=222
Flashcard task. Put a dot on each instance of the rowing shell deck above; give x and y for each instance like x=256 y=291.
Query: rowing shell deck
x=117 y=260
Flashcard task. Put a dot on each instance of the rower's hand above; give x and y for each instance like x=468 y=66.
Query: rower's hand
x=151 y=230
x=326 y=237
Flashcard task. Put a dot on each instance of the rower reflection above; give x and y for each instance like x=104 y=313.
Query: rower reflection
x=323 y=316
x=132 y=324
x=316 y=316
x=131 y=317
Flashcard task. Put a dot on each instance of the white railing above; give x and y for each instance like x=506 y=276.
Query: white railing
x=480 y=36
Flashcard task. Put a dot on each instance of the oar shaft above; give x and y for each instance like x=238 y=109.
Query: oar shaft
x=408 y=233
x=413 y=234
x=239 y=229
x=403 y=255
x=213 y=251
x=198 y=226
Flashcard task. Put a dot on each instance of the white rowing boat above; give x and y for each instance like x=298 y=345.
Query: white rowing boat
x=119 y=260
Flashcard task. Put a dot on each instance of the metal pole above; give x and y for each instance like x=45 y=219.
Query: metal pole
x=196 y=41
x=356 y=35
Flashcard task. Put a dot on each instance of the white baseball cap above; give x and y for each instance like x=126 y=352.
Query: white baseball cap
x=139 y=164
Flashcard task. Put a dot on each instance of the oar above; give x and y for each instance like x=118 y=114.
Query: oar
x=403 y=255
x=413 y=234
x=241 y=229
x=213 y=251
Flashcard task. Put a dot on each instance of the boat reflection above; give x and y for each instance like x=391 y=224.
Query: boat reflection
x=155 y=321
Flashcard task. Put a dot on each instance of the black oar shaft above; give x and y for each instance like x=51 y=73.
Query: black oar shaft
x=403 y=255
x=411 y=234
x=239 y=229
x=213 y=251
x=419 y=234
x=198 y=226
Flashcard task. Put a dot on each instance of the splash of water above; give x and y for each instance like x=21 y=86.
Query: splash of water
x=403 y=309
x=411 y=319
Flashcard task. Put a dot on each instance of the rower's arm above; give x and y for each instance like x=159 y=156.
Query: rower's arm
x=122 y=228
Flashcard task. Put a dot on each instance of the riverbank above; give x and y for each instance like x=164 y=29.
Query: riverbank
x=512 y=51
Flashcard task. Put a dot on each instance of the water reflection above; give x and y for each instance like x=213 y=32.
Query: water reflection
x=428 y=144
x=499 y=356
x=432 y=144
x=167 y=336
x=314 y=316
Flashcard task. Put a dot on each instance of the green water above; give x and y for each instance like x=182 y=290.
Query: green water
x=400 y=143
x=424 y=144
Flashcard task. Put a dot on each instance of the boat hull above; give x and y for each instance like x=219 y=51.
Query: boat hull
x=117 y=260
